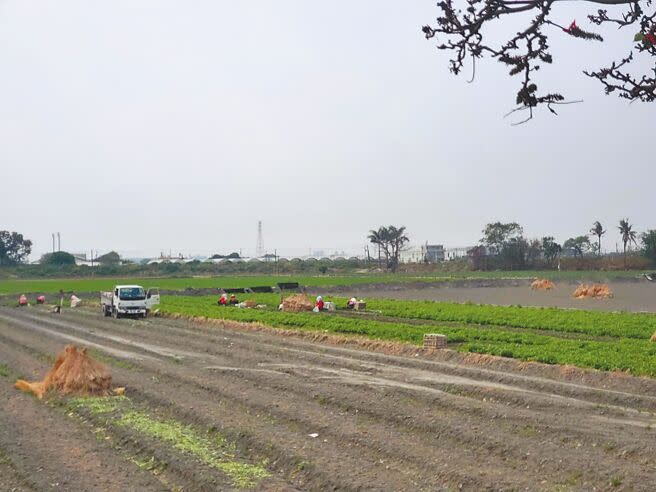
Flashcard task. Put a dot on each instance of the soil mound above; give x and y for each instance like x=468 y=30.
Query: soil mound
x=297 y=303
x=542 y=284
x=595 y=291
x=73 y=372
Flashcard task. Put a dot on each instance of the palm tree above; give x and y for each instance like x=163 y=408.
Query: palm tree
x=598 y=230
x=391 y=240
x=628 y=235
x=381 y=239
x=397 y=238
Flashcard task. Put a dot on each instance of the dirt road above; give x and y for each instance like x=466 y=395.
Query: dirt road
x=382 y=422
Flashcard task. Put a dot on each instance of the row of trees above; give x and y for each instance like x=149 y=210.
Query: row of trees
x=504 y=246
x=15 y=249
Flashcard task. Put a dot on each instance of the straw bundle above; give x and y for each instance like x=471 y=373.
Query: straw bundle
x=542 y=284
x=73 y=372
x=594 y=291
x=297 y=303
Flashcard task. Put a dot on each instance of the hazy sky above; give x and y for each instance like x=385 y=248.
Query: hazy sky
x=144 y=126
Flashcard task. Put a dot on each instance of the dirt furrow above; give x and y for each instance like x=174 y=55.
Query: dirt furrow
x=382 y=420
x=211 y=339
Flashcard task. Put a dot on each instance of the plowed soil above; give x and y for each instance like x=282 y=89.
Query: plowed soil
x=636 y=296
x=382 y=422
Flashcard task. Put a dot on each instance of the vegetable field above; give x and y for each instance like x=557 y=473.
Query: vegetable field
x=600 y=340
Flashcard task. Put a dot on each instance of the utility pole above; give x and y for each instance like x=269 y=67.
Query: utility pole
x=53 y=242
x=58 y=242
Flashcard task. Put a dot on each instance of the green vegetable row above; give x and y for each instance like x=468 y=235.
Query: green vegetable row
x=634 y=355
x=595 y=323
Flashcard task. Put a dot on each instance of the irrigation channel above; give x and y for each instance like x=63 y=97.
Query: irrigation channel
x=313 y=416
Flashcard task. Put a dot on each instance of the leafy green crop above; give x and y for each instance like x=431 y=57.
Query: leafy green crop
x=597 y=323
x=619 y=353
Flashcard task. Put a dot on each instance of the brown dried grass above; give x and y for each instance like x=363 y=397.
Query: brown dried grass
x=297 y=303
x=542 y=284
x=73 y=372
x=594 y=291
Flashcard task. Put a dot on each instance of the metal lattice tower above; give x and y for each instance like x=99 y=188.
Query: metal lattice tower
x=259 y=249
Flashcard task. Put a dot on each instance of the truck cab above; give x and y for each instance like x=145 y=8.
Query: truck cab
x=129 y=300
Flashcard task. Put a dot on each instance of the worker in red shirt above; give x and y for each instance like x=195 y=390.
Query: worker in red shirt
x=319 y=304
x=223 y=300
x=41 y=299
x=22 y=300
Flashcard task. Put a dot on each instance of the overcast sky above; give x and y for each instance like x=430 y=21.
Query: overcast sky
x=148 y=126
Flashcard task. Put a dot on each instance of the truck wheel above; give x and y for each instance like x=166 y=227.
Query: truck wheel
x=106 y=312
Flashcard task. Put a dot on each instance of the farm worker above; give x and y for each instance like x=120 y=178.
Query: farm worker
x=75 y=300
x=233 y=300
x=223 y=300
x=22 y=300
x=319 y=304
x=350 y=304
x=41 y=299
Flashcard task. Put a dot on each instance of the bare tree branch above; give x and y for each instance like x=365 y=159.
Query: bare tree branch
x=461 y=25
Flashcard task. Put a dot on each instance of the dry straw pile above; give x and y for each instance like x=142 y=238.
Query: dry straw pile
x=297 y=303
x=594 y=291
x=542 y=284
x=73 y=372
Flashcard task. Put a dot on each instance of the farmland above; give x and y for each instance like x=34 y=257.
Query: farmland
x=17 y=286
x=220 y=406
x=223 y=398
x=607 y=341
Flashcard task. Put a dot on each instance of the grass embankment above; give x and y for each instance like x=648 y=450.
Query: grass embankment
x=18 y=286
x=211 y=449
x=524 y=333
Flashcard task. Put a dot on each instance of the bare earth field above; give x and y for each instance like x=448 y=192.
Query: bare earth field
x=628 y=296
x=384 y=422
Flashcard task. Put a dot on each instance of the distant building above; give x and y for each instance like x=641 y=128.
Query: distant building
x=164 y=258
x=455 y=253
x=432 y=253
x=411 y=254
x=81 y=259
x=426 y=253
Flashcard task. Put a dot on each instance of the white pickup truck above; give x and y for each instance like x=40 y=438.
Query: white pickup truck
x=128 y=300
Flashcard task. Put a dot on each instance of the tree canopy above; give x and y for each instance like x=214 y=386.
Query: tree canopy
x=59 y=258
x=14 y=248
x=649 y=244
x=463 y=28
x=391 y=240
x=579 y=245
x=111 y=258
